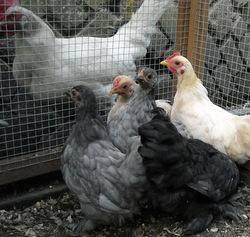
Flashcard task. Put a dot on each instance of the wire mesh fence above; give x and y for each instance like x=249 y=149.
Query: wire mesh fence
x=227 y=68
x=46 y=46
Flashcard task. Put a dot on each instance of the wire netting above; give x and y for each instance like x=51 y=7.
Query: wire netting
x=40 y=118
x=32 y=61
x=227 y=62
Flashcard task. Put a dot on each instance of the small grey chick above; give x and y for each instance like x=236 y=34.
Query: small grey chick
x=107 y=182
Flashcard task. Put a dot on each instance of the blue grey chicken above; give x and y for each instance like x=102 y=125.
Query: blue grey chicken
x=188 y=178
x=133 y=107
x=107 y=182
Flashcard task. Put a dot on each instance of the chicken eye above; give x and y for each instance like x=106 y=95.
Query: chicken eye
x=149 y=76
x=73 y=92
x=125 y=87
x=177 y=63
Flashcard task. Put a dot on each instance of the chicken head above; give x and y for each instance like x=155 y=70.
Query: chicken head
x=8 y=20
x=83 y=97
x=146 y=78
x=177 y=64
x=123 y=85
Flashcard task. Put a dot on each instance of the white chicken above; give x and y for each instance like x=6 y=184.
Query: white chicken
x=195 y=116
x=48 y=65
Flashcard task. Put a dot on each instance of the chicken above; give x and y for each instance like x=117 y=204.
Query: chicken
x=47 y=65
x=133 y=107
x=108 y=183
x=195 y=116
x=188 y=178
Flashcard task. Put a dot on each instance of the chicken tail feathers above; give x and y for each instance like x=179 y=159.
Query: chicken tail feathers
x=198 y=224
x=141 y=27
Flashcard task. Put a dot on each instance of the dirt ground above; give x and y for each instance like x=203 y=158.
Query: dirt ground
x=47 y=217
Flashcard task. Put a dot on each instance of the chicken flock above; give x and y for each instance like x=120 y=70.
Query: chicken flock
x=143 y=154
x=181 y=159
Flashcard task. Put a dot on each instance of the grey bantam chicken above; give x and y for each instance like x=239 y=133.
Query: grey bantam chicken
x=133 y=107
x=107 y=182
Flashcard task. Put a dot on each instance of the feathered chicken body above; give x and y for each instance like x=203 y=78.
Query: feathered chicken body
x=189 y=178
x=48 y=65
x=133 y=107
x=107 y=182
x=195 y=116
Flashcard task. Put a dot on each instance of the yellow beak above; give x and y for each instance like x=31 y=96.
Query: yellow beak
x=113 y=91
x=164 y=63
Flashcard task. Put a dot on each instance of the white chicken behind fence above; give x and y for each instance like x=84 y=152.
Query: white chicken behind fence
x=48 y=65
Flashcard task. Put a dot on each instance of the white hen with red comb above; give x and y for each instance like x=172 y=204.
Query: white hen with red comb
x=197 y=117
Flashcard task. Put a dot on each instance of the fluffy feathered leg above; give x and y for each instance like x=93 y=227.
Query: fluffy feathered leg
x=230 y=211
x=198 y=224
x=77 y=229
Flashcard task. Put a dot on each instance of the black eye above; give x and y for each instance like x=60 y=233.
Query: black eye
x=149 y=76
x=73 y=92
x=125 y=86
x=177 y=63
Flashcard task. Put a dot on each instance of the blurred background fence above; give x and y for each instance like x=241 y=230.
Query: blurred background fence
x=213 y=34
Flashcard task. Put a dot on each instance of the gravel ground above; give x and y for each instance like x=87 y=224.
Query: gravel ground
x=46 y=218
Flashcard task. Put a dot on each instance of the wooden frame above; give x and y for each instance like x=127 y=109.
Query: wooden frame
x=197 y=18
x=26 y=166
x=183 y=26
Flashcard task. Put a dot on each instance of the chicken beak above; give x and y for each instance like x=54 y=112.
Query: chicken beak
x=67 y=94
x=164 y=63
x=113 y=91
x=138 y=80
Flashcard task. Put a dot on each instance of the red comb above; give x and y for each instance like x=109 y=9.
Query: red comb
x=176 y=53
x=116 y=81
x=4 y=5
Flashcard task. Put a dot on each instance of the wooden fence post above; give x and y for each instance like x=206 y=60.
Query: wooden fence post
x=198 y=27
x=183 y=26
x=192 y=26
